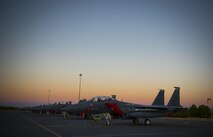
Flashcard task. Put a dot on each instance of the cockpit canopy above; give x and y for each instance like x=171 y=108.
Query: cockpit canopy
x=100 y=98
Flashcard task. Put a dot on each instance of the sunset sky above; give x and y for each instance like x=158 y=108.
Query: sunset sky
x=130 y=48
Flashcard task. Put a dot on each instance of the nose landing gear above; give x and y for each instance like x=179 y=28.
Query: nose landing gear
x=107 y=122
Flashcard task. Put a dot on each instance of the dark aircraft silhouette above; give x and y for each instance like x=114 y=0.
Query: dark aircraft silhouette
x=47 y=109
x=125 y=110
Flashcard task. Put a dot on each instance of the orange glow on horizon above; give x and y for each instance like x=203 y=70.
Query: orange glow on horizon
x=127 y=93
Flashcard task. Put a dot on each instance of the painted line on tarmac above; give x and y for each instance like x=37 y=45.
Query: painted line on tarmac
x=45 y=128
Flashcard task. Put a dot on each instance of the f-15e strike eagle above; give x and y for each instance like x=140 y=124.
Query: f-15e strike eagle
x=125 y=110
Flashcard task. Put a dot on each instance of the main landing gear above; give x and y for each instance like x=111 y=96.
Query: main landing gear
x=135 y=121
x=147 y=122
x=107 y=122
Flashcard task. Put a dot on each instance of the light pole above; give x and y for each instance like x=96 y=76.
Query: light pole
x=79 y=93
x=49 y=97
x=209 y=102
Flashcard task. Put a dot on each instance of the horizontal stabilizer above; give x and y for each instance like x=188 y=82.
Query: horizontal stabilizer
x=175 y=98
x=159 y=100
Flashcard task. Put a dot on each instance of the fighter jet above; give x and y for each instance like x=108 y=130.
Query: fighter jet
x=125 y=110
x=48 y=108
x=103 y=104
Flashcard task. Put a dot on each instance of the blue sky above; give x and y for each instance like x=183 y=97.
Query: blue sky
x=144 y=44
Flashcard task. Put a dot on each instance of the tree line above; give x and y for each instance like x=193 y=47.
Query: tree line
x=7 y=108
x=201 y=111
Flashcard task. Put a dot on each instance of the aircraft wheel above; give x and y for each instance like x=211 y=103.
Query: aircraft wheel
x=135 y=121
x=107 y=122
x=147 y=122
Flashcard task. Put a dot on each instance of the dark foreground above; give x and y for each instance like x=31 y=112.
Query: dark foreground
x=17 y=123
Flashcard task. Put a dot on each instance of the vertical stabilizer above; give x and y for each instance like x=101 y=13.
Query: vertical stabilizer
x=159 y=100
x=175 y=98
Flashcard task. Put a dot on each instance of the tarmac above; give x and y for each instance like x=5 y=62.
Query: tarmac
x=24 y=124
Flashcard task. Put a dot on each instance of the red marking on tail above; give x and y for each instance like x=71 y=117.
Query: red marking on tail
x=115 y=108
